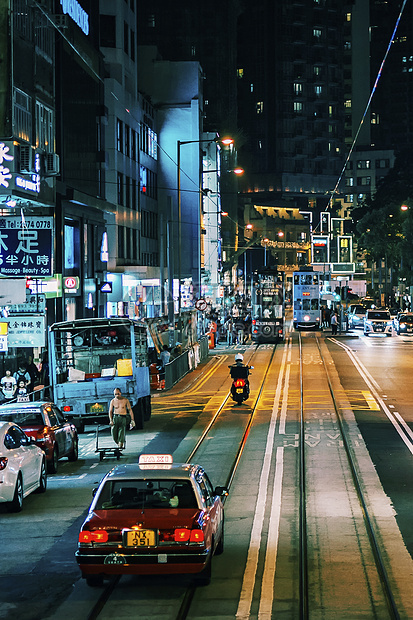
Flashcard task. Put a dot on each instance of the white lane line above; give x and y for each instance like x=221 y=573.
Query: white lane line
x=248 y=582
x=402 y=429
x=267 y=589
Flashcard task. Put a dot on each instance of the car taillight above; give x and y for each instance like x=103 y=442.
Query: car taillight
x=98 y=536
x=186 y=535
x=197 y=536
x=42 y=433
x=182 y=535
x=3 y=462
x=239 y=383
x=67 y=408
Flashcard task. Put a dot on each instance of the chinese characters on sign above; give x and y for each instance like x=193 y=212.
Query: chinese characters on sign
x=26 y=246
x=4 y=171
x=27 y=331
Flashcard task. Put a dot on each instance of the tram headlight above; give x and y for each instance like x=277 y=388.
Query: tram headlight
x=306 y=318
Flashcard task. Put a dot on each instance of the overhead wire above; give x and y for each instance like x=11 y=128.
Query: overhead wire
x=373 y=90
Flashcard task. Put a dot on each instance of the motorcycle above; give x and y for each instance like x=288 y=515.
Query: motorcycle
x=240 y=389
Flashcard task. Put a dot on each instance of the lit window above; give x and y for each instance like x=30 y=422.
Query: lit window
x=298 y=88
x=240 y=73
x=298 y=106
x=317 y=33
x=259 y=107
x=318 y=90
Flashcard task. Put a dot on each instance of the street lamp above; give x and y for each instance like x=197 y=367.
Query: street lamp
x=227 y=141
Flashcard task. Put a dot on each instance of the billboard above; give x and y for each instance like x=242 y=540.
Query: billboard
x=26 y=245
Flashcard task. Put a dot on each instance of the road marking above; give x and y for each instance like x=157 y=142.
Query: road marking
x=372 y=403
x=267 y=589
x=248 y=582
x=398 y=422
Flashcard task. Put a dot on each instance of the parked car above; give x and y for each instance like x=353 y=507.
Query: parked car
x=378 y=322
x=22 y=466
x=46 y=424
x=403 y=323
x=152 y=518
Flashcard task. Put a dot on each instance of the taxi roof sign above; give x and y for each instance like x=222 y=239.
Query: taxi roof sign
x=156 y=459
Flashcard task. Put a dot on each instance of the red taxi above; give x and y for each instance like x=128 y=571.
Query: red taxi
x=152 y=518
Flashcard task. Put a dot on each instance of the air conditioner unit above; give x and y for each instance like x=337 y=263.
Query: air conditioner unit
x=51 y=164
x=25 y=158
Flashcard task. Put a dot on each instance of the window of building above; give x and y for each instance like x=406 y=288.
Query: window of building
x=44 y=36
x=120 y=188
x=151 y=21
x=125 y=38
x=318 y=91
x=22 y=115
x=127 y=141
x=259 y=107
x=382 y=163
x=363 y=180
x=349 y=181
x=298 y=107
x=134 y=195
x=108 y=31
x=127 y=192
x=133 y=145
x=317 y=70
x=363 y=164
x=132 y=45
x=22 y=18
x=121 y=241
x=317 y=33
x=72 y=245
x=119 y=135
x=44 y=127
x=297 y=88
x=240 y=73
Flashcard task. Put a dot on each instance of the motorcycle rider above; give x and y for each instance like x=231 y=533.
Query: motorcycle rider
x=240 y=371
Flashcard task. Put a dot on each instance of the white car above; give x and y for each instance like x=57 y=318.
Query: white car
x=378 y=322
x=22 y=466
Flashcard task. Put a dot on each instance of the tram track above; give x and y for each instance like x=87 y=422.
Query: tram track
x=378 y=587
x=186 y=598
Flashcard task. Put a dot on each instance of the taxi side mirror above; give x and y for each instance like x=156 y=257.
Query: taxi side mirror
x=221 y=491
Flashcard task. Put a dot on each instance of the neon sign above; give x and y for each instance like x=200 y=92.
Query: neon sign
x=79 y=16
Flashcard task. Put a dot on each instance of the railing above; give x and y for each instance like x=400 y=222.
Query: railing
x=184 y=363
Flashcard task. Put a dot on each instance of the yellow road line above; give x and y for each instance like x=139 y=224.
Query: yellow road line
x=371 y=401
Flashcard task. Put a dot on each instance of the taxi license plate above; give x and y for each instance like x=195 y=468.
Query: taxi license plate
x=140 y=538
x=240 y=390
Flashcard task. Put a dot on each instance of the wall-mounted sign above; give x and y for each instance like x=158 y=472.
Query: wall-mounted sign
x=12 y=291
x=50 y=287
x=71 y=284
x=79 y=15
x=106 y=287
x=26 y=245
x=26 y=331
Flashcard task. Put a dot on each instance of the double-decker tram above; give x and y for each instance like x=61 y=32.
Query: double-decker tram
x=268 y=306
x=306 y=299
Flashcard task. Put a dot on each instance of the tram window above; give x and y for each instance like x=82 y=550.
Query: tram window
x=314 y=304
x=306 y=305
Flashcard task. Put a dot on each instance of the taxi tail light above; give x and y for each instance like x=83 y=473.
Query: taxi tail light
x=42 y=433
x=182 y=535
x=98 y=536
x=197 y=536
x=3 y=462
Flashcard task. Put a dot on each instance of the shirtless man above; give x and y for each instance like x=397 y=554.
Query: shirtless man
x=118 y=409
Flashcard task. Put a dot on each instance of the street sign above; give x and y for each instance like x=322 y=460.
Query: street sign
x=71 y=284
x=201 y=305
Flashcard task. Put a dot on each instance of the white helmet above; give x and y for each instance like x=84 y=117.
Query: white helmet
x=239 y=357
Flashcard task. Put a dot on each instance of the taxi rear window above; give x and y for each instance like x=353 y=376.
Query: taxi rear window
x=22 y=418
x=406 y=319
x=156 y=494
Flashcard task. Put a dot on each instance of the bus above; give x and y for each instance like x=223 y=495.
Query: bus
x=306 y=299
x=89 y=358
x=268 y=306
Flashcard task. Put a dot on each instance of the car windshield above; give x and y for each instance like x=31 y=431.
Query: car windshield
x=406 y=319
x=28 y=417
x=384 y=316
x=124 y=494
x=359 y=310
